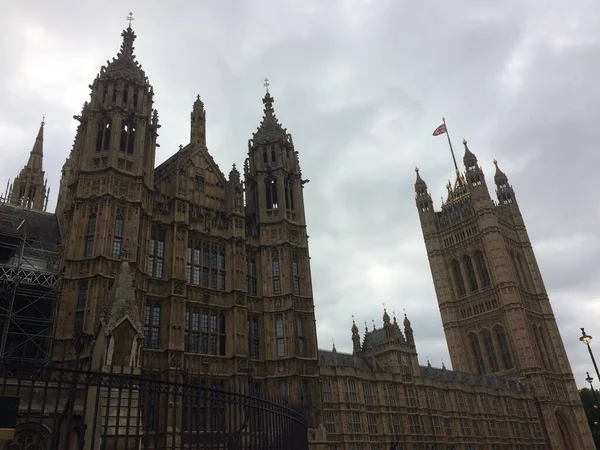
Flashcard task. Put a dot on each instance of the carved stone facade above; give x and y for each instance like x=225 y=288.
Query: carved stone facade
x=495 y=309
x=222 y=281
x=218 y=268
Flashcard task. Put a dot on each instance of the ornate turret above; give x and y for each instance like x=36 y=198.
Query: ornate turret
x=474 y=174
x=198 y=123
x=408 y=331
x=29 y=187
x=422 y=196
x=505 y=192
x=355 y=338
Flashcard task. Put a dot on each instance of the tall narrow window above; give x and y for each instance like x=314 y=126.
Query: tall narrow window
x=504 y=348
x=477 y=356
x=152 y=324
x=118 y=236
x=276 y=277
x=523 y=272
x=80 y=308
x=103 y=135
x=156 y=253
x=295 y=274
x=222 y=269
x=279 y=333
x=251 y=276
x=127 y=137
x=89 y=236
x=194 y=263
x=222 y=335
x=213 y=267
x=470 y=273
x=289 y=194
x=458 y=278
x=253 y=337
x=516 y=270
x=491 y=352
x=301 y=337
x=481 y=266
x=271 y=193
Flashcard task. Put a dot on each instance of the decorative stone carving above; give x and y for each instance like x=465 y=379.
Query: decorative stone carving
x=122 y=325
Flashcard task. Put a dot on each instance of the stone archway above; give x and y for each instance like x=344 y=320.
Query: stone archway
x=564 y=435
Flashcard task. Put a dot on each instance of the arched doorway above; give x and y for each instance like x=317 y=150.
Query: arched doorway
x=564 y=435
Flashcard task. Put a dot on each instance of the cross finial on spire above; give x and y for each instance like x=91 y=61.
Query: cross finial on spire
x=130 y=18
x=266 y=84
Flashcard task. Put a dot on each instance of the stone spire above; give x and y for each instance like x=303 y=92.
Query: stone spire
x=505 y=192
x=270 y=130
x=122 y=326
x=125 y=64
x=29 y=189
x=198 y=123
x=355 y=338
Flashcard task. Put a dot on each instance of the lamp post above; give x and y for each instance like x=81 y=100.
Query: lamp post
x=589 y=380
x=586 y=338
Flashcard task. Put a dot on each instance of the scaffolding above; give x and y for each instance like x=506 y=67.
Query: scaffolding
x=30 y=279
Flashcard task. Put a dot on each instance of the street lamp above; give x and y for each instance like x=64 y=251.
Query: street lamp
x=586 y=338
x=589 y=380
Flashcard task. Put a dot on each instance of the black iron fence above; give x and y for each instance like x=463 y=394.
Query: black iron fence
x=64 y=407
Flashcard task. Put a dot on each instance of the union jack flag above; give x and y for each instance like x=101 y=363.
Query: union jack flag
x=440 y=130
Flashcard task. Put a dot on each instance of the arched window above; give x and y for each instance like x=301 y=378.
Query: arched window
x=265 y=158
x=89 y=236
x=504 y=348
x=481 y=266
x=271 y=193
x=523 y=272
x=537 y=333
x=273 y=158
x=470 y=273
x=103 y=135
x=516 y=270
x=276 y=277
x=127 y=137
x=477 y=356
x=488 y=343
x=458 y=278
x=118 y=236
x=289 y=194
x=549 y=348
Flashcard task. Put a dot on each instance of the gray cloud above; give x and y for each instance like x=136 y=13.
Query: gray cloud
x=361 y=85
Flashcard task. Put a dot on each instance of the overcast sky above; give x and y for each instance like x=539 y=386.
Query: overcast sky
x=361 y=85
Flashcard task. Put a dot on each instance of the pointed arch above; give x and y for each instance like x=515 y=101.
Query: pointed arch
x=89 y=236
x=295 y=274
x=271 y=193
x=488 y=344
x=548 y=348
x=470 y=270
x=103 y=135
x=564 y=433
x=523 y=272
x=476 y=352
x=516 y=269
x=289 y=193
x=482 y=268
x=128 y=130
x=503 y=346
x=458 y=278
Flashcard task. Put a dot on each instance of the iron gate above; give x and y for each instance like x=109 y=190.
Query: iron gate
x=67 y=408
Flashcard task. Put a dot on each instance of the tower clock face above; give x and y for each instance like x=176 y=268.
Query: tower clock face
x=404 y=359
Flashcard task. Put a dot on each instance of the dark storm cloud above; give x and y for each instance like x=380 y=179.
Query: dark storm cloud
x=360 y=85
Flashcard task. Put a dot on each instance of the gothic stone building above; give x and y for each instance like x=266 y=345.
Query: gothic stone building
x=222 y=283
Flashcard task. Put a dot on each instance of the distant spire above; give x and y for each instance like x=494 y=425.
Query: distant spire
x=37 y=152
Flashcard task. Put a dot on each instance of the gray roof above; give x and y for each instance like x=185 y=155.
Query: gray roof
x=493 y=381
x=39 y=225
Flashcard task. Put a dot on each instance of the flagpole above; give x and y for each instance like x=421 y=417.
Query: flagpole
x=450 y=144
